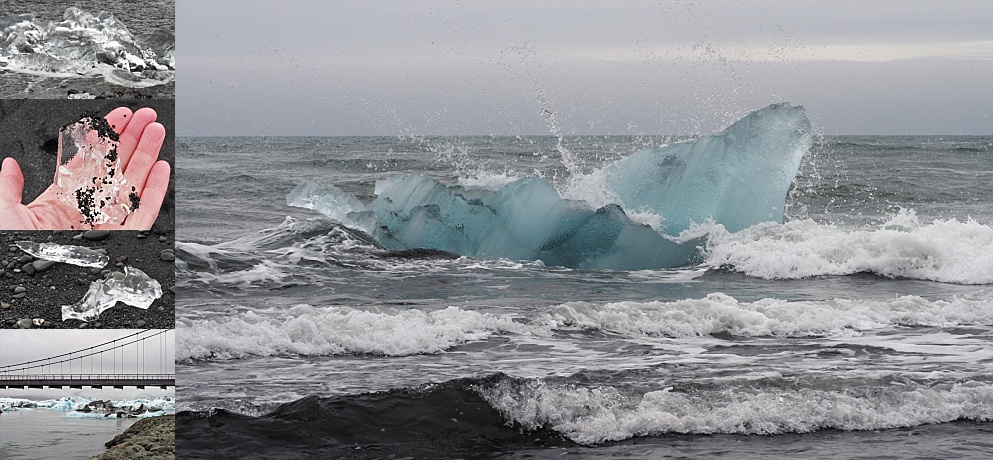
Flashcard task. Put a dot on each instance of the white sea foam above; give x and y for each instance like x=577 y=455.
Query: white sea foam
x=720 y=313
x=600 y=414
x=945 y=250
x=312 y=331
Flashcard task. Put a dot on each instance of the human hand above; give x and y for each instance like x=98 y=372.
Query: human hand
x=138 y=149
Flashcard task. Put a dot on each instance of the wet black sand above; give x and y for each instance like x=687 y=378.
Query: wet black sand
x=65 y=284
x=16 y=85
x=29 y=133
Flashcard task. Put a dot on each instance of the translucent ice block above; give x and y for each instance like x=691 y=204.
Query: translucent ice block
x=76 y=255
x=135 y=288
x=88 y=175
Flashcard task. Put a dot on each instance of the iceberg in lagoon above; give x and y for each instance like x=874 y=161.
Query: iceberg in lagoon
x=738 y=178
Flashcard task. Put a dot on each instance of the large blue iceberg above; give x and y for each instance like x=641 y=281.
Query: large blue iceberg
x=738 y=178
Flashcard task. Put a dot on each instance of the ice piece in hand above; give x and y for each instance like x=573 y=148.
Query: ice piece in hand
x=88 y=175
x=76 y=255
x=135 y=288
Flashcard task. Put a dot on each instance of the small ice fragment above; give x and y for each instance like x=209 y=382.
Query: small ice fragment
x=88 y=175
x=76 y=255
x=135 y=288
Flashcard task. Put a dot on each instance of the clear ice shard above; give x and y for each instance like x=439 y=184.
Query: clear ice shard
x=135 y=288
x=88 y=175
x=738 y=178
x=75 y=255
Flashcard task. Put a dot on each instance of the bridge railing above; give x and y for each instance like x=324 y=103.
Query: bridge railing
x=16 y=377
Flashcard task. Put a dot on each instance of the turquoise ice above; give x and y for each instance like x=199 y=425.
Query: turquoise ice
x=738 y=178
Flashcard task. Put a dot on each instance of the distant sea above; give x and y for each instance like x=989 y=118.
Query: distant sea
x=861 y=327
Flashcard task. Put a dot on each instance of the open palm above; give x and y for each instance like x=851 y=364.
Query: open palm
x=138 y=149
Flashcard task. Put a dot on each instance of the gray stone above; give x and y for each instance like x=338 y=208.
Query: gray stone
x=42 y=265
x=24 y=323
x=96 y=235
x=20 y=289
x=28 y=268
x=167 y=255
x=24 y=259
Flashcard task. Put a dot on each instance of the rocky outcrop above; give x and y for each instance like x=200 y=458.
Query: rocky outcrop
x=152 y=438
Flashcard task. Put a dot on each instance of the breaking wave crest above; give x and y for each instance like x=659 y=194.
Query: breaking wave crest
x=594 y=415
x=312 y=331
x=720 y=313
x=948 y=251
x=499 y=411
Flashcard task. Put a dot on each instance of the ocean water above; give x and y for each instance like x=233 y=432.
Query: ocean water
x=42 y=433
x=861 y=327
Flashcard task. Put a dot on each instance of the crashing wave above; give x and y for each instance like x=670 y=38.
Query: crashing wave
x=738 y=178
x=947 y=251
x=307 y=330
x=81 y=44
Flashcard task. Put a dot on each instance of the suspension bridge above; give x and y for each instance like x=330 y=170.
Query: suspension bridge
x=141 y=359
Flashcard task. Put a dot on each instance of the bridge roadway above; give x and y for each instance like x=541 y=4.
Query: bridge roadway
x=87 y=380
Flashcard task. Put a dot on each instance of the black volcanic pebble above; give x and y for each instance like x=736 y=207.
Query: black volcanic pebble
x=96 y=235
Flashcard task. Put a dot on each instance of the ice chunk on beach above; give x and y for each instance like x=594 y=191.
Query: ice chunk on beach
x=334 y=203
x=81 y=42
x=75 y=255
x=88 y=174
x=737 y=178
x=135 y=288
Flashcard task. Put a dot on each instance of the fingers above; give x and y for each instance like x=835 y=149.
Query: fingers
x=154 y=193
x=119 y=118
x=131 y=135
x=145 y=155
x=11 y=181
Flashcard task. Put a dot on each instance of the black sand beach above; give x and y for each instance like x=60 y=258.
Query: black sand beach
x=46 y=290
x=29 y=133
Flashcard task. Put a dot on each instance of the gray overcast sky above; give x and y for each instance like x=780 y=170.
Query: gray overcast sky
x=18 y=346
x=262 y=67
